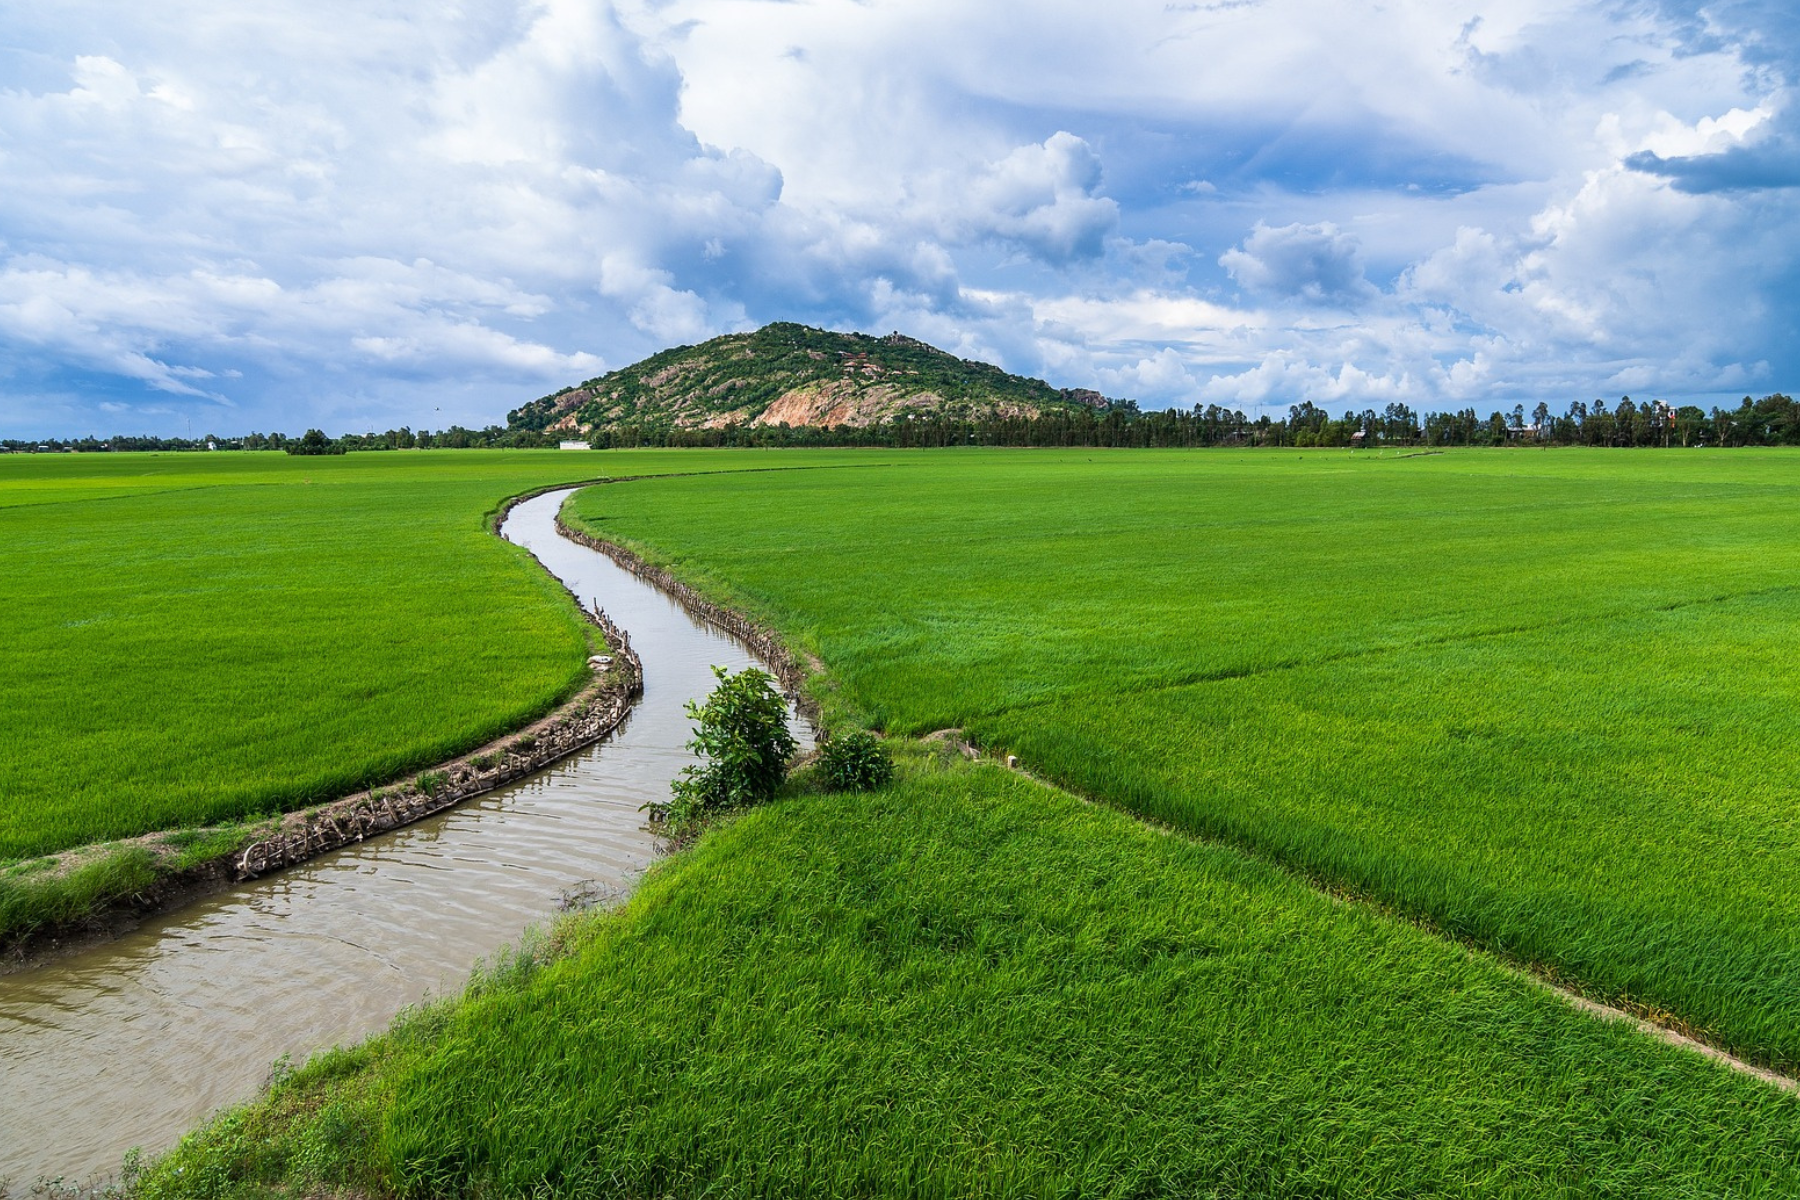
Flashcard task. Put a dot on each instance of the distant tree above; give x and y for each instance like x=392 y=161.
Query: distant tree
x=1626 y=423
x=1598 y=429
x=1690 y=424
x=314 y=441
x=1724 y=427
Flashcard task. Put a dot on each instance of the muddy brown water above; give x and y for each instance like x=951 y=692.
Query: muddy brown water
x=133 y=1042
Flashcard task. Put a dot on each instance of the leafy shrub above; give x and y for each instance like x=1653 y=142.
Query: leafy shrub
x=431 y=781
x=855 y=762
x=741 y=730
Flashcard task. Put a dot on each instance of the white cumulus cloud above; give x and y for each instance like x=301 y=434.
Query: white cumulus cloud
x=287 y=213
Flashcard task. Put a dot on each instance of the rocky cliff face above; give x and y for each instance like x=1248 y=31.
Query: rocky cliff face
x=795 y=375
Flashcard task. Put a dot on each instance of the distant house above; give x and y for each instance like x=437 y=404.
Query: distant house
x=573 y=446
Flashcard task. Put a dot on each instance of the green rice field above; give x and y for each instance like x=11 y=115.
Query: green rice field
x=970 y=985
x=1542 y=702
x=1546 y=701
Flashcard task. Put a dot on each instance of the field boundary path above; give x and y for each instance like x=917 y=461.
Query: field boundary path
x=1530 y=972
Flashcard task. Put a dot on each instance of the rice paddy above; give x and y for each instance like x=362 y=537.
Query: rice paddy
x=1543 y=700
x=1539 y=701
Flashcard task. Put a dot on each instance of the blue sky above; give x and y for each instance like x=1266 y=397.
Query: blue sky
x=285 y=213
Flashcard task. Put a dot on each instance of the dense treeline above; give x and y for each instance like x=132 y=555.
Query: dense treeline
x=312 y=442
x=1773 y=420
x=90 y=445
x=494 y=437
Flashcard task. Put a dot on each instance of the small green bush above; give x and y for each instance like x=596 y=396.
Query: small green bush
x=855 y=762
x=742 y=733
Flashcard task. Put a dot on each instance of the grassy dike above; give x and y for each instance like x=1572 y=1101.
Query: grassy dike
x=970 y=984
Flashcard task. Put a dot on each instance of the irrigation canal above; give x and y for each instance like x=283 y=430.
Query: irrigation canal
x=132 y=1042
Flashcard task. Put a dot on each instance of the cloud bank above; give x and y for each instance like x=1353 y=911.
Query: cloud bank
x=285 y=214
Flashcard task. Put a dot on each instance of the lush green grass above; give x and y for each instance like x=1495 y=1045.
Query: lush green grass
x=194 y=638
x=966 y=985
x=1545 y=699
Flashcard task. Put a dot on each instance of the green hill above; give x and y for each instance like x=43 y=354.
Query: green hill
x=795 y=375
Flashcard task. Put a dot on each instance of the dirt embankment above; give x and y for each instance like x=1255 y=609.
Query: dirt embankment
x=590 y=716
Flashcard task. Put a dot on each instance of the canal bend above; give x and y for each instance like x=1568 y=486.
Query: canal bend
x=132 y=1042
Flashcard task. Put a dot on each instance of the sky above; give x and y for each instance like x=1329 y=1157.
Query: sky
x=361 y=214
